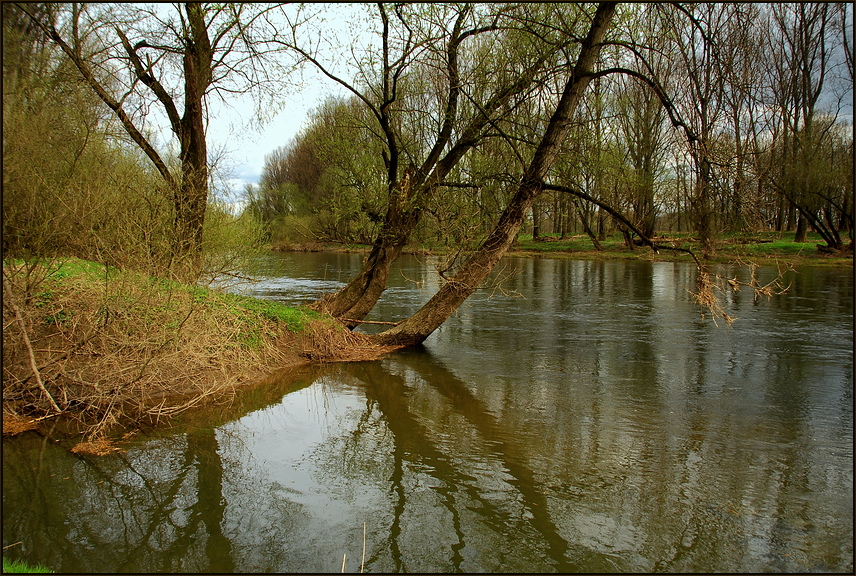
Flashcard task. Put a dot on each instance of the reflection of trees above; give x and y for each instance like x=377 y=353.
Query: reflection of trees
x=414 y=444
x=157 y=508
x=729 y=461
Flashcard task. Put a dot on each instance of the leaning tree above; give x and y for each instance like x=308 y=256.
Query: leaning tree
x=441 y=79
x=476 y=268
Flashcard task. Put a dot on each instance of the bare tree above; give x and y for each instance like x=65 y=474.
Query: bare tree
x=174 y=61
x=803 y=41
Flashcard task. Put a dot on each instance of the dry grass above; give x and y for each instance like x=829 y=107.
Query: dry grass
x=709 y=286
x=330 y=341
x=706 y=297
x=14 y=424
x=98 y=447
x=118 y=349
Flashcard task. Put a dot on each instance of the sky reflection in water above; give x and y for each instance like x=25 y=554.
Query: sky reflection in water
x=583 y=418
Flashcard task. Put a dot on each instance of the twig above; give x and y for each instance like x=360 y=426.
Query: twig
x=343 y=562
x=351 y=320
x=29 y=346
x=363 y=563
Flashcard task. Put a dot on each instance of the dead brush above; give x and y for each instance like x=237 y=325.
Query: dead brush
x=708 y=285
x=328 y=340
x=705 y=296
x=129 y=350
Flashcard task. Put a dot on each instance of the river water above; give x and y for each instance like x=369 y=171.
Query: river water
x=573 y=416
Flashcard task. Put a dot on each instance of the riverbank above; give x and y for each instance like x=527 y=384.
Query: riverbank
x=759 y=247
x=93 y=351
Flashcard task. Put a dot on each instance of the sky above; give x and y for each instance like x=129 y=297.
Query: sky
x=233 y=131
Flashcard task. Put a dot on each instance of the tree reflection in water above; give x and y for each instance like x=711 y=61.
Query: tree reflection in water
x=643 y=441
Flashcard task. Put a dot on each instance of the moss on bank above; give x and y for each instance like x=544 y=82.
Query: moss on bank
x=100 y=348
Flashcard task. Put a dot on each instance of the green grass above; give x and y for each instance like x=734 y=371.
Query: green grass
x=295 y=319
x=783 y=247
x=16 y=567
x=244 y=306
x=729 y=247
x=153 y=299
x=75 y=267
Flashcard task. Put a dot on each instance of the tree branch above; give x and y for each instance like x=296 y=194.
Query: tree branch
x=620 y=217
x=80 y=63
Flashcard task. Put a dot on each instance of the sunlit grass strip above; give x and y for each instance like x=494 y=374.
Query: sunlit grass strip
x=16 y=567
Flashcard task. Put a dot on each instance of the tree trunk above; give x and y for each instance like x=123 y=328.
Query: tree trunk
x=353 y=302
x=536 y=223
x=628 y=239
x=802 y=229
x=585 y=222
x=451 y=295
x=191 y=197
x=702 y=213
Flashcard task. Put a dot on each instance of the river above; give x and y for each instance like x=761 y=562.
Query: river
x=573 y=416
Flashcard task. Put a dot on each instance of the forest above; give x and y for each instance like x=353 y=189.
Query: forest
x=689 y=125
x=463 y=125
x=705 y=118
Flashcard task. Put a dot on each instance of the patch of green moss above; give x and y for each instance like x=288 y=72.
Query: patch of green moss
x=75 y=267
x=294 y=318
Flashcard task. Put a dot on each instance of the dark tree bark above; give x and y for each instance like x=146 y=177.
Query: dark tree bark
x=475 y=269
x=587 y=227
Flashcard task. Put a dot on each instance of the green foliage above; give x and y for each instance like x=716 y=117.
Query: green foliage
x=70 y=187
x=328 y=183
x=229 y=242
x=18 y=567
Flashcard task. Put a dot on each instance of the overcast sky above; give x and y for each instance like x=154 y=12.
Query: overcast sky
x=244 y=143
x=233 y=128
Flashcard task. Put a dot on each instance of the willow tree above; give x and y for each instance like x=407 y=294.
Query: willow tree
x=440 y=79
x=136 y=59
x=476 y=268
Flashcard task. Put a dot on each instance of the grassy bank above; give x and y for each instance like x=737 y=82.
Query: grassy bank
x=101 y=349
x=757 y=247
x=14 y=567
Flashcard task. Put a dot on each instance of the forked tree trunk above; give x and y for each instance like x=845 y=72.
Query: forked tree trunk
x=353 y=302
x=476 y=268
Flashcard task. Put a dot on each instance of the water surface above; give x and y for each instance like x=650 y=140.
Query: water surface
x=573 y=417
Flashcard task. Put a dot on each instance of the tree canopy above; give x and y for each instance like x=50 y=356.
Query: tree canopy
x=463 y=125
